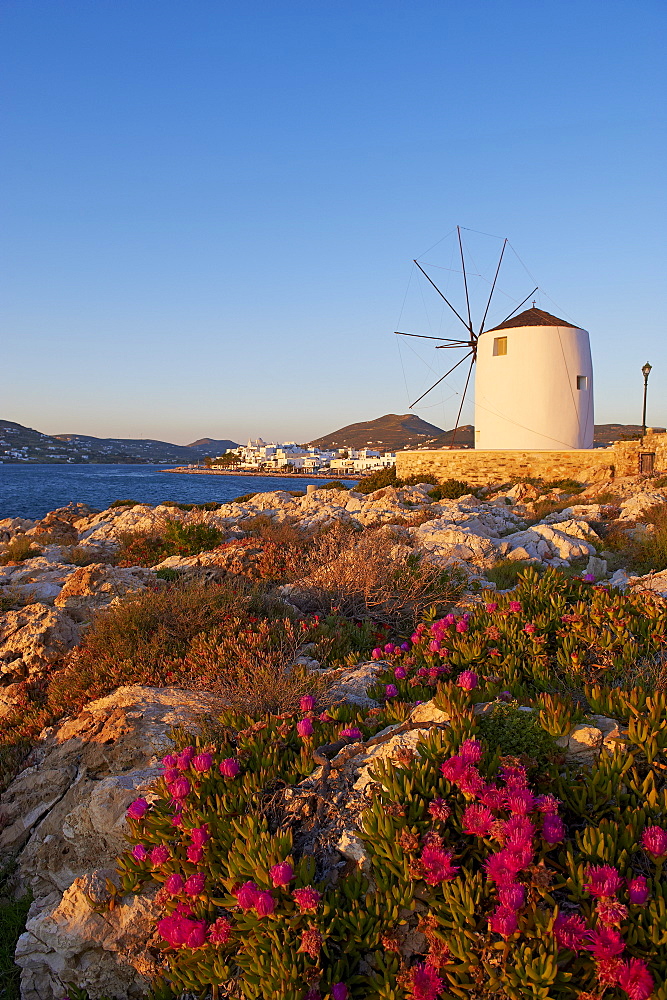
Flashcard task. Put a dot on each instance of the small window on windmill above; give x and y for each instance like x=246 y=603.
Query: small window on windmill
x=582 y=381
x=499 y=346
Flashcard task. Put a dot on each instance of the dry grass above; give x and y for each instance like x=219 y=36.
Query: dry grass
x=20 y=548
x=371 y=576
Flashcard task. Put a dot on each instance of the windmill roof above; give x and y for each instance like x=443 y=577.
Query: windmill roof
x=533 y=317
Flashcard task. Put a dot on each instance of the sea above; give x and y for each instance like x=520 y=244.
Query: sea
x=33 y=490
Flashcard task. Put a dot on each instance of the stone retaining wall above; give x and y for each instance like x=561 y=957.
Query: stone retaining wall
x=480 y=468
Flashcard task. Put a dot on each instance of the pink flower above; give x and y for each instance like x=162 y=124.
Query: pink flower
x=200 y=835
x=518 y=831
x=160 y=854
x=503 y=921
x=588 y=578
x=325 y=717
x=184 y=757
x=502 y=867
x=424 y=983
x=570 y=931
x=453 y=768
x=636 y=980
x=169 y=760
x=638 y=891
x=530 y=628
x=194 y=885
x=448 y=620
x=247 y=895
x=610 y=911
x=493 y=797
x=604 y=880
x=605 y=943
x=265 y=904
x=547 y=803
x=608 y=970
x=229 y=767
x=400 y=673
x=281 y=874
x=307 y=703
x=307 y=899
x=220 y=932
x=439 y=809
x=520 y=800
x=137 y=808
x=180 y=788
x=467 y=680
x=462 y=625
x=515 y=606
x=178 y=931
x=389 y=648
x=512 y=896
x=376 y=654
x=477 y=820
x=139 y=852
x=434 y=645
x=171 y=774
x=339 y=991
x=553 y=829
x=202 y=762
x=174 y=884
x=514 y=775
x=471 y=751
x=304 y=728
x=311 y=943
x=491 y=607
x=654 y=839
x=471 y=781
x=390 y=691
x=406 y=647
x=352 y=733
x=438 y=865
x=195 y=853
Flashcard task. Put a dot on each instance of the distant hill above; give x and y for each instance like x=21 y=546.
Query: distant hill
x=387 y=433
x=23 y=444
x=209 y=446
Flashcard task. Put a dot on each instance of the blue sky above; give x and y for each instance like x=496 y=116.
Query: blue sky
x=209 y=209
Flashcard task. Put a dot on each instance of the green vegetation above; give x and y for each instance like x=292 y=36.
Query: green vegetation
x=505 y=574
x=451 y=489
x=510 y=731
x=13 y=914
x=173 y=539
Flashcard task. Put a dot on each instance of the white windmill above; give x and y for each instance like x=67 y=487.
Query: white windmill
x=533 y=376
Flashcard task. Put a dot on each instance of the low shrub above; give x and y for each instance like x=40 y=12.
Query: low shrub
x=565 y=485
x=378 y=480
x=450 y=489
x=124 y=503
x=173 y=538
x=19 y=549
x=13 y=914
x=505 y=574
x=334 y=484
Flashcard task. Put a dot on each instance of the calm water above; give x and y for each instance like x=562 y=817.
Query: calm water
x=33 y=490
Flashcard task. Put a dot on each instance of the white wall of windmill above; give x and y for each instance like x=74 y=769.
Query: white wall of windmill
x=539 y=394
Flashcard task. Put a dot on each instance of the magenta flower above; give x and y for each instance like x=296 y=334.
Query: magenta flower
x=471 y=751
x=503 y=867
x=570 y=932
x=462 y=625
x=518 y=830
x=512 y=896
x=530 y=629
x=307 y=899
x=307 y=703
x=400 y=673
x=246 y=896
x=434 y=645
x=137 y=808
x=454 y=767
x=339 y=991
x=439 y=809
x=281 y=874
x=654 y=839
x=352 y=733
x=180 y=788
x=139 y=852
x=389 y=648
x=304 y=728
x=636 y=980
x=390 y=691
x=184 y=757
x=471 y=781
x=405 y=646
x=553 y=829
x=514 y=775
x=415 y=637
x=171 y=774
x=477 y=820
x=169 y=760
x=376 y=654
x=195 y=853
x=605 y=943
x=588 y=578
x=160 y=854
x=180 y=932
x=603 y=880
x=610 y=911
x=438 y=866
x=200 y=835
x=424 y=983
x=491 y=607
x=547 y=803
x=449 y=620
x=174 y=884
x=515 y=606
x=265 y=904
x=194 y=885
x=202 y=762
x=467 y=680
x=503 y=921
x=493 y=797
x=220 y=932
x=229 y=767
x=638 y=891
x=325 y=717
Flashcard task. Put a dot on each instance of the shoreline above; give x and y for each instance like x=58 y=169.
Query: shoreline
x=263 y=475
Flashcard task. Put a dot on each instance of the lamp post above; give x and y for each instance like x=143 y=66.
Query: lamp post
x=646 y=371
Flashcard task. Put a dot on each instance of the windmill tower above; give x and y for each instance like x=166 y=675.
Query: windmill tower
x=533 y=376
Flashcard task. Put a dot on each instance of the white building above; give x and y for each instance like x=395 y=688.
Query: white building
x=534 y=385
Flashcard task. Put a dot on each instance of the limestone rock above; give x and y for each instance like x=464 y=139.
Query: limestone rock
x=32 y=638
x=352 y=683
x=597 y=567
x=95 y=586
x=582 y=745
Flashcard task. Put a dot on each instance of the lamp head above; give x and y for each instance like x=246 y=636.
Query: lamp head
x=646 y=370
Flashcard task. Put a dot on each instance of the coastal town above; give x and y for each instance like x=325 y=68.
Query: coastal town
x=262 y=456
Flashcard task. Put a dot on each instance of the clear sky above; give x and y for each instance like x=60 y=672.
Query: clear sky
x=209 y=209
